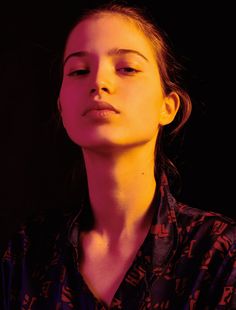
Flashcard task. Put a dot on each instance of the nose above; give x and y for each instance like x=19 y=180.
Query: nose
x=102 y=82
x=98 y=89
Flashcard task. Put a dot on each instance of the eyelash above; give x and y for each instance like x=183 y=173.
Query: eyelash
x=85 y=71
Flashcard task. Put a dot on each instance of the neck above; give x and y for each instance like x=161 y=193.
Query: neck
x=121 y=189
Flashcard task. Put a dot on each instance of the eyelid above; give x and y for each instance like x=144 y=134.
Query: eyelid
x=117 y=62
x=129 y=67
x=86 y=71
x=82 y=71
x=118 y=67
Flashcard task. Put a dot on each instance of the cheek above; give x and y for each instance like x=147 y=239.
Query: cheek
x=152 y=101
x=71 y=98
x=70 y=109
x=144 y=102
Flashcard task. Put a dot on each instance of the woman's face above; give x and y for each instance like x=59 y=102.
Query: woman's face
x=108 y=59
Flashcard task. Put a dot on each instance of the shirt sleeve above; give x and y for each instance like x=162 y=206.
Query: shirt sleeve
x=227 y=298
x=6 y=271
x=12 y=270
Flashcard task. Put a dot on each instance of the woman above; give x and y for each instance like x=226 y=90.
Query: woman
x=130 y=244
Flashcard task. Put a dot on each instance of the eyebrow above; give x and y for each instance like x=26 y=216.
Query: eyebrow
x=112 y=52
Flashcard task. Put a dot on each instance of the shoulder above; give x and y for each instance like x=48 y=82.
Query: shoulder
x=37 y=236
x=187 y=212
x=213 y=228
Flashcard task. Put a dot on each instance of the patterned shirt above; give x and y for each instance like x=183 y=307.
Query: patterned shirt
x=187 y=261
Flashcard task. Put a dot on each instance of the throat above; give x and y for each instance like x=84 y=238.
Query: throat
x=104 y=267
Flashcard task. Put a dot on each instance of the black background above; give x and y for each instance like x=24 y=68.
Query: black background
x=32 y=35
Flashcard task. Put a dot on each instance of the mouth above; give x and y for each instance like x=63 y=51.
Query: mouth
x=100 y=105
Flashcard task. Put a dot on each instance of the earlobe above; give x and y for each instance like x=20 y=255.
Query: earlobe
x=169 y=108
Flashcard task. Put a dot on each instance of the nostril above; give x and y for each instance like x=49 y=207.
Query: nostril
x=104 y=88
x=98 y=90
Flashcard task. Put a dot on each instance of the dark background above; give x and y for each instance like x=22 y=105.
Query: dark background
x=31 y=37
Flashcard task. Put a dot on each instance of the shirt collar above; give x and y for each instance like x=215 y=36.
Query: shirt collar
x=163 y=231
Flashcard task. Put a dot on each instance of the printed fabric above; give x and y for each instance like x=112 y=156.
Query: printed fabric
x=187 y=261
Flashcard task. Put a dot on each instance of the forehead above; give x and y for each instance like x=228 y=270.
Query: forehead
x=106 y=31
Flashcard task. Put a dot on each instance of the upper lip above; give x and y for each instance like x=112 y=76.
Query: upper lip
x=100 y=105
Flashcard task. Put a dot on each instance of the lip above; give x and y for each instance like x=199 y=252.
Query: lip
x=100 y=105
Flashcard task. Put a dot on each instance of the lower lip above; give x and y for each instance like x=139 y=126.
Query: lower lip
x=101 y=114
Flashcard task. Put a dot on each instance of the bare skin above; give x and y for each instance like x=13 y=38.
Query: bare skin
x=108 y=256
x=118 y=149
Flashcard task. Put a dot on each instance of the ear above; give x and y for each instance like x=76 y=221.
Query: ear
x=169 y=108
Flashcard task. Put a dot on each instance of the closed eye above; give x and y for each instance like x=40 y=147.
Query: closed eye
x=79 y=72
x=125 y=70
x=128 y=70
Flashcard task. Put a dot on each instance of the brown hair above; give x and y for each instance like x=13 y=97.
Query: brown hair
x=169 y=68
